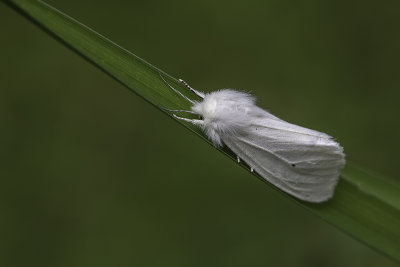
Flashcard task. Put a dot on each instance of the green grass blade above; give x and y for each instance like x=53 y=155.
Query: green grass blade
x=365 y=206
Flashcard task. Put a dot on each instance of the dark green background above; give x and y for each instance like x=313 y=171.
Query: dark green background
x=92 y=175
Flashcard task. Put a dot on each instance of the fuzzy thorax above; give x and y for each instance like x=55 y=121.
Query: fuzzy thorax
x=226 y=112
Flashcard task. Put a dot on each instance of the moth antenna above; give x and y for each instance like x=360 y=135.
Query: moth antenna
x=176 y=91
x=199 y=94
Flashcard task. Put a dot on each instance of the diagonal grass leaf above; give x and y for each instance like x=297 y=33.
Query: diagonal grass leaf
x=365 y=206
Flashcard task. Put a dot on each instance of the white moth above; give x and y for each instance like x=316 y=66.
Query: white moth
x=299 y=161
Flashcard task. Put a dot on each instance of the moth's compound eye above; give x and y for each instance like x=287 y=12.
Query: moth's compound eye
x=201 y=117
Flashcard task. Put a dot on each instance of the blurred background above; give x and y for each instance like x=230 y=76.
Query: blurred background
x=92 y=175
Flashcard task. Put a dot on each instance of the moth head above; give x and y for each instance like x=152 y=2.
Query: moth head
x=205 y=108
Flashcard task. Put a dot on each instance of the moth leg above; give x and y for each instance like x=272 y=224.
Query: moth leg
x=199 y=94
x=177 y=110
x=251 y=169
x=195 y=122
x=238 y=159
x=176 y=91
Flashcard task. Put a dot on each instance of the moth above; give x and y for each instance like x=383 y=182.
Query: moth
x=301 y=162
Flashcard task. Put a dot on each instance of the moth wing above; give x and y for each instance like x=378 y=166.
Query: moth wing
x=302 y=162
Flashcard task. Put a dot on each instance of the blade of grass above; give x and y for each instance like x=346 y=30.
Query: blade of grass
x=365 y=206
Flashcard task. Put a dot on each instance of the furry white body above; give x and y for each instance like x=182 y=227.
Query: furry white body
x=302 y=162
x=299 y=161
